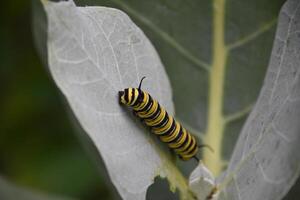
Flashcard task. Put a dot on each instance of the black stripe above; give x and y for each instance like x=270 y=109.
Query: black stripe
x=165 y=120
x=193 y=149
x=126 y=95
x=140 y=98
x=185 y=141
x=132 y=95
x=156 y=113
x=163 y=125
x=192 y=143
x=170 y=130
x=175 y=140
x=148 y=105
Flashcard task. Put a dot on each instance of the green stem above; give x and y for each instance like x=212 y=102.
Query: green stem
x=215 y=128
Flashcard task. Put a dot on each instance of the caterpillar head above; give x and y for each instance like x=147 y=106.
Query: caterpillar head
x=130 y=95
x=123 y=97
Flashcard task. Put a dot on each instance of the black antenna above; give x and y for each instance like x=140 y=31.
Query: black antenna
x=140 y=85
x=206 y=146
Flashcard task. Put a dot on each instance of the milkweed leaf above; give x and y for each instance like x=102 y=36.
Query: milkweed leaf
x=94 y=52
x=266 y=160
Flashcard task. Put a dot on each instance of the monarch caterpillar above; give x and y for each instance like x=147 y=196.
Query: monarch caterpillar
x=161 y=123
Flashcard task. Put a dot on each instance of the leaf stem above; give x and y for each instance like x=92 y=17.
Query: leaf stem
x=174 y=176
x=215 y=126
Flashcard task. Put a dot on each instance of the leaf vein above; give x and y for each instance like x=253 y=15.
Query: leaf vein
x=238 y=115
x=165 y=36
x=110 y=46
x=252 y=35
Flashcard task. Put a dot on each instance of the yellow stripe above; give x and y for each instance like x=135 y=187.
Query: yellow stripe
x=191 y=147
x=189 y=156
x=182 y=139
x=179 y=143
x=164 y=128
x=136 y=94
x=129 y=95
x=147 y=110
x=123 y=99
x=194 y=152
x=158 y=119
x=144 y=102
x=181 y=149
x=172 y=136
x=185 y=157
x=153 y=108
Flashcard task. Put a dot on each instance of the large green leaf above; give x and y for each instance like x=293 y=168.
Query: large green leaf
x=266 y=160
x=266 y=163
x=216 y=53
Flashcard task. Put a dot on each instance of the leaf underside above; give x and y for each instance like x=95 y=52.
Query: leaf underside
x=266 y=160
x=94 y=52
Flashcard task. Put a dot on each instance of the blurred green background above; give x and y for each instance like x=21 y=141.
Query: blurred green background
x=38 y=144
x=38 y=147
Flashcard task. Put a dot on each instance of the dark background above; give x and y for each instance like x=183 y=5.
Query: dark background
x=38 y=145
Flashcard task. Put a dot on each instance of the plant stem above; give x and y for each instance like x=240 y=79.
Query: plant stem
x=215 y=127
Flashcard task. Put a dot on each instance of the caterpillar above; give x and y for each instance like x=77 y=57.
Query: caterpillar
x=169 y=131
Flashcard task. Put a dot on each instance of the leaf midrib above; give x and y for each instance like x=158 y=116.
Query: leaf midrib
x=215 y=126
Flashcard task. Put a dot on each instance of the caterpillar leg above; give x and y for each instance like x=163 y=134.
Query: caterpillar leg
x=136 y=115
x=196 y=158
